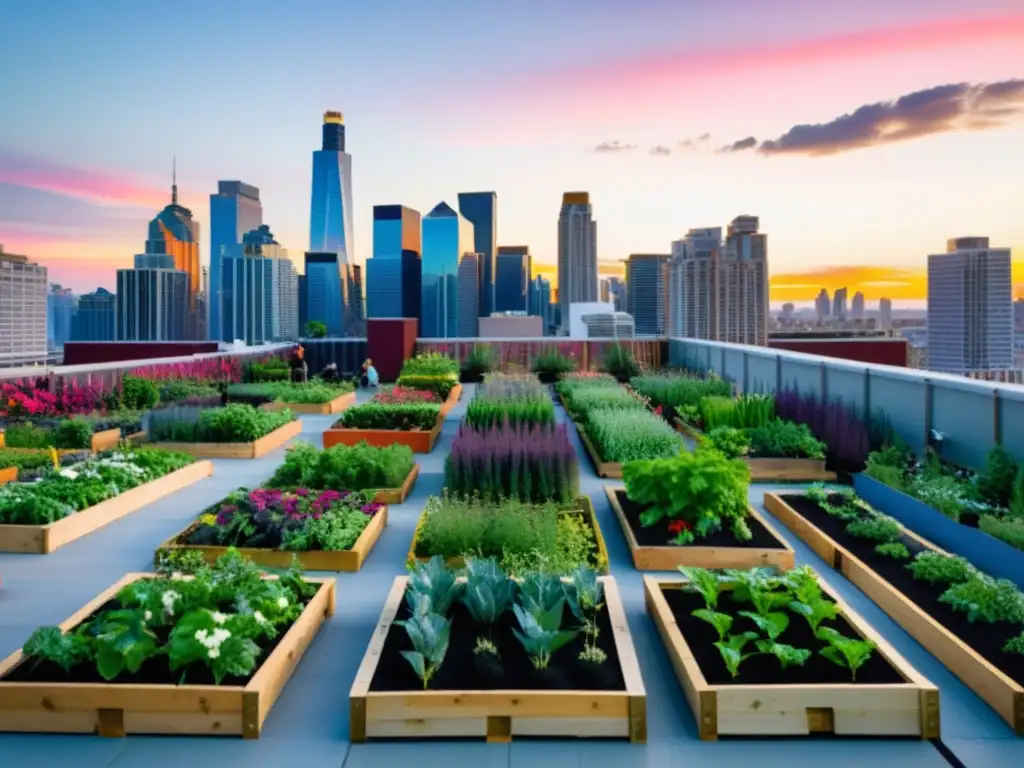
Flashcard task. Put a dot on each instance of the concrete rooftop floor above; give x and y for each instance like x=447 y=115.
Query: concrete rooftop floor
x=309 y=722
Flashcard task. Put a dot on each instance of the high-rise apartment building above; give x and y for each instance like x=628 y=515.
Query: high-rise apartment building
x=61 y=306
x=260 y=291
x=693 y=278
x=175 y=233
x=447 y=238
x=839 y=299
x=540 y=302
x=153 y=304
x=577 y=253
x=481 y=210
x=970 y=308
x=885 y=314
x=325 y=291
x=22 y=310
x=393 y=286
x=513 y=269
x=94 y=320
x=613 y=291
x=235 y=209
x=467 y=319
x=823 y=306
x=647 y=293
x=857 y=306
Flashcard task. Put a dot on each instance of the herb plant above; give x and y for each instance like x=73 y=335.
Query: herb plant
x=844 y=651
x=354 y=467
x=620 y=435
x=405 y=417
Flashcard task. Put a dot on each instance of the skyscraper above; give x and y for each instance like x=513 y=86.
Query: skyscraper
x=393 y=286
x=153 y=304
x=481 y=210
x=513 y=268
x=447 y=236
x=743 y=287
x=94 y=320
x=857 y=306
x=540 y=302
x=577 y=253
x=467 y=319
x=22 y=310
x=235 y=209
x=970 y=308
x=61 y=306
x=693 y=280
x=823 y=306
x=647 y=293
x=175 y=233
x=260 y=291
x=839 y=303
x=885 y=314
x=325 y=292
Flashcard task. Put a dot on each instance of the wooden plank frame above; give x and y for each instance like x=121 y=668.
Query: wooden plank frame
x=105 y=440
x=997 y=689
x=420 y=441
x=8 y=475
x=336 y=405
x=607 y=469
x=44 y=539
x=669 y=558
x=115 y=710
x=452 y=399
x=499 y=716
x=346 y=561
x=253 y=450
x=399 y=495
x=903 y=709
x=586 y=508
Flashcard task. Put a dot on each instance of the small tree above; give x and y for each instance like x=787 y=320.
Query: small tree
x=314 y=329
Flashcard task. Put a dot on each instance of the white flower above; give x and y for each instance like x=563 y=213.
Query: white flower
x=168 y=599
x=260 y=618
x=149 y=615
x=70 y=474
x=213 y=653
x=282 y=602
x=218 y=617
x=202 y=636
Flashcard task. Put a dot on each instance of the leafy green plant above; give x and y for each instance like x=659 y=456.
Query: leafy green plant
x=788 y=655
x=540 y=631
x=680 y=394
x=138 y=393
x=986 y=599
x=350 y=467
x=429 y=634
x=939 y=568
x=744 y=412
x=404 y=418
x=481 y=360
x=73 y=433
x=876 y=528
x=314 y=329
x=586 y=598
x=703 y=488
x=1009 y=529
x=550 y=366
x=1017 y=499
x=234 y=423
x=785 y=439
x=722 y=622
x=435 y=581
x=66 y=650
x=1015 y=645
x=704 y=581
x=619 y=361
x=758 y=586
x=487 y=595
x=847 y=652
x=996 y=482
x=431 y=364
x=731 y=651
x=772 y=624
x=440 y=384
x=895 y=549
x=815 y=610
x=732 y=442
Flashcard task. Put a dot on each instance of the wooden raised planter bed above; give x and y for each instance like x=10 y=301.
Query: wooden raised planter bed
x=337 y=405
x=453 y=398
x=106 y=440
x=585 y=507
x=608 y=469
x=253 y=450
x=1000 y=691
x=669 y=557
x=398 y=495
x=8 y=475
x=910 y=708
x=420 y=441
x=43 y=539
x=137 y=438
x=497 y=716
x=346 y=560
x=765 y=469
x=118 y=709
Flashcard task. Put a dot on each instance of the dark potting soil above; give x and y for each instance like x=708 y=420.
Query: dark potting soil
x=657 y=535
x=154 y=671
x=765 y=669
x=464 y=670
x=986 y=639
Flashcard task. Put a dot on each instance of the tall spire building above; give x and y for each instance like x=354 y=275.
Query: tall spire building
x=577 y=253
x=330 y=220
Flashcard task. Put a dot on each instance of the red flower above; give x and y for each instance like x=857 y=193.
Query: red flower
x=678 y=526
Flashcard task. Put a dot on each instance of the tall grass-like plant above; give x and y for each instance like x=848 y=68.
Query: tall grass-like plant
x=620 y=435
x=620 y=363
x=516 y=399
x=534 y=464
x=583 y=400
x=672 y=391
x=551 y=366
x=837 y=425
x=743 y=412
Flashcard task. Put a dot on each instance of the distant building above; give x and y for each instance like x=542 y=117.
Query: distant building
x=513 y=268
x=22 y=310
x=607 y=325
x=260 y=291
x=970 y=308
x=613 y=291
x=540 y=303
x=94 y=320
x=577 y=253
x=647 y=292
x=61 y=306
x=175 y=234
x=694 y=270
x=481 y=210
x=235 y=209
x=839 y=307
x=393 y=278
x=823 y=306
x=857 y=306
x=447 y=238
x=468 y=312
x=152 y=305
x=743 y=294
x=511 y=326
x=325 y=293
x=885 y=314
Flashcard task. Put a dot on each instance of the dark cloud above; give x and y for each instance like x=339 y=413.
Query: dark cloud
x=695 y=143
x=660 y=149
x=739 y=146
x=942 y=109
x=613 y=146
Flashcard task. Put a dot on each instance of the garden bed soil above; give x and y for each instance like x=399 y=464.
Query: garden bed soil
x=420 y=441
x=608 y=469
x=44 y=539
x=346 y=560
x=583 y=505
x=8 y=475
x=651 y=550
x=336 y=405
x=399 y=495
x=253 y=450
x=888 y=698
x=970 y=651
x=453 y=398
x=45 y=699
x=496 y=700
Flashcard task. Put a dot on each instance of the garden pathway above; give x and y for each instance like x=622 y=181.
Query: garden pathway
x=309 y=723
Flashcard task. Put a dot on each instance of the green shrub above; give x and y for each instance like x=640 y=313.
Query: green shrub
x=73 y=434
x=785 y=440
x=620 y=363
x=183 y=389
x=552 y=366
x=138 y=394
x=734 y=443
x=430 y=364
x=23 y=459
x=386 y=416
x=480 y=361
x=313 y=392
x=234 y=423
x=1008 y=529
x=440 y=384
x=27 y=436
x=271 y=369
x=887 y=466
x=1017 y=498
x=995 y=483
x=620 y=435
x=357 y=467
x=675 y=391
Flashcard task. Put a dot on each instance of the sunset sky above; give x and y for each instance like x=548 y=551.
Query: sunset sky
x=863 y=134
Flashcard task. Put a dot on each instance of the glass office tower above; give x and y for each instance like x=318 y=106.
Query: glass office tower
x=481 y=210
x=95 y=318
x=512 y=269
x=393 y=285
x=234 y=210
x=446 y=237
x=325 y=291
x=175 y=233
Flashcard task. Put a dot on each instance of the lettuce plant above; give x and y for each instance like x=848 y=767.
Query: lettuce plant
x=434 y=580
x=722 y=622
x=540 y=631
x=429 y=634
x=847 y=652
x=706 y=582
x=731 y=651
x=487 y=595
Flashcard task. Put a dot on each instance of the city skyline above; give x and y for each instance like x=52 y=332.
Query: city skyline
x=864 y=98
